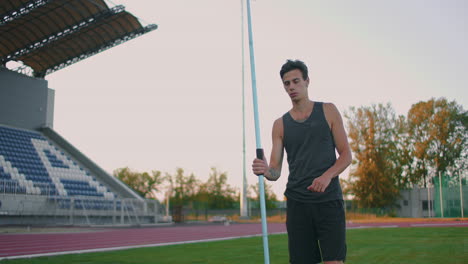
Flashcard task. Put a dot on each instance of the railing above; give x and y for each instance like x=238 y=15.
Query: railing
x=88 y=210
x=10 y=186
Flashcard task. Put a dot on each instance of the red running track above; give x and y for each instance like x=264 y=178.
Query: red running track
x=42 y=244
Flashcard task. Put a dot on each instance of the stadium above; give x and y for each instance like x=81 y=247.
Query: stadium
x=46 y=181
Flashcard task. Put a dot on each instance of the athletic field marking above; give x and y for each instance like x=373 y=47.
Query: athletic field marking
x=440 y=224
x=372 y=226
x=131 y=247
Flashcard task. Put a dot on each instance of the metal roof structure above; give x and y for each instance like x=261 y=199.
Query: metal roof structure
x=49 y=35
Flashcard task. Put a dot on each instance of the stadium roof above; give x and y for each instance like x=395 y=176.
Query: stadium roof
x=48 y=35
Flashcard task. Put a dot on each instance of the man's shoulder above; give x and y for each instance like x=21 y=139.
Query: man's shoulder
x=278 y=121
x=329 y=104
x=332 y=114
x=330 y=108
x=278 y=127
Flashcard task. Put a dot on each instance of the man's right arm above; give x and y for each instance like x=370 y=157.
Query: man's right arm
x=273 y=171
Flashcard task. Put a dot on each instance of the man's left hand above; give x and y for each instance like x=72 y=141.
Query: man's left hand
x=319 y=184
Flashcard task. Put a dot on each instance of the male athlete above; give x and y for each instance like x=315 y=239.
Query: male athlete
x=310 y=133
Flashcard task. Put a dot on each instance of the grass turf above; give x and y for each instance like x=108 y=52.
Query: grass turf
x=365 y=246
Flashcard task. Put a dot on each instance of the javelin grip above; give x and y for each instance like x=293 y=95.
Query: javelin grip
x=260 y=153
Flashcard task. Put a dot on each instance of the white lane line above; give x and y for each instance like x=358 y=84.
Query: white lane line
x=358 y=227
x=440 y=224
x=372 y=226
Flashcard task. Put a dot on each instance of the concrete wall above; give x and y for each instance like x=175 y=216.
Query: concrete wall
x=411 y=203
x=415 y=202
x=25 y=102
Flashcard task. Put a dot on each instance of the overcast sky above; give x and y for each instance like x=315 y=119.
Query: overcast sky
x=173 y=97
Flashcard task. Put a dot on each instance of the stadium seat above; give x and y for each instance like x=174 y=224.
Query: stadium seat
x=32 y=164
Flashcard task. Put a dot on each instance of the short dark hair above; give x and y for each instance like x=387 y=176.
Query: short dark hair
x=293 y=65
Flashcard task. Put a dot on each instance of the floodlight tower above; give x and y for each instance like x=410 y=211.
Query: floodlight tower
x=243 y=199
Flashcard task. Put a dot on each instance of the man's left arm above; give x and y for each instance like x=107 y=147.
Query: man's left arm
x=342 y=146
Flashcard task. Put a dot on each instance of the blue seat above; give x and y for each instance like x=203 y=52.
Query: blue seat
x=22 y=148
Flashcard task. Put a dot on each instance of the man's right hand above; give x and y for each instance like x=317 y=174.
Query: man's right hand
x=260 y=167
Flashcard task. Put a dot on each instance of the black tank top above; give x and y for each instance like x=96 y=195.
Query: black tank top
x=311 y=151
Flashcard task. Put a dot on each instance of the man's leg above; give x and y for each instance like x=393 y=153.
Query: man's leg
x=331 y=231
x=302 y=239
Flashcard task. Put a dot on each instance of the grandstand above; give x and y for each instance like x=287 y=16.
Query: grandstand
x=44 y=179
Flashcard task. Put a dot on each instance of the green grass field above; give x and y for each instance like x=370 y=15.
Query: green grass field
x=365 y=246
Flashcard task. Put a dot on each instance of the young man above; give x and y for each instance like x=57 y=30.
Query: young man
x=310 y=132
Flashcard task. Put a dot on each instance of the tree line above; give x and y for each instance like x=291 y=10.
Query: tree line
x=186 y=190
x=392 y=153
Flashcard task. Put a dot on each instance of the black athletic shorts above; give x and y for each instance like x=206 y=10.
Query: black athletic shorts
x=316 y=231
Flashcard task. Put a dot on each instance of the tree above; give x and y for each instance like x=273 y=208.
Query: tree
x=376 y=173
x=143 y=183
x=270 y=196
x=219 y=194
x=346 y=187
x=438 y=138
x=184 y=187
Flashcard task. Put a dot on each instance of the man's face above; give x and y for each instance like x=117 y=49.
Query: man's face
x=295 y=85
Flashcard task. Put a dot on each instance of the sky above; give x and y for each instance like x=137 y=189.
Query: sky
x=172 y=98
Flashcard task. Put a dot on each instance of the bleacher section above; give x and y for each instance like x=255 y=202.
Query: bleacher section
x=31 y=164
x=45 y=180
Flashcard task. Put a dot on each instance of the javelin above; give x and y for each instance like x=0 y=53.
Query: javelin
x=257 y=137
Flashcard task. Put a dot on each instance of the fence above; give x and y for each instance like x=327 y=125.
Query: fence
x=450 y=196
x=45 y=207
